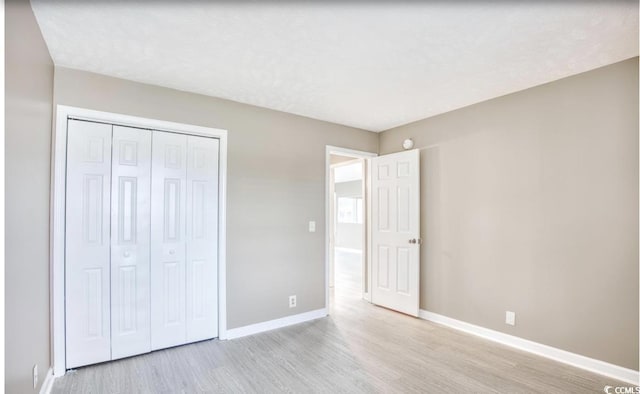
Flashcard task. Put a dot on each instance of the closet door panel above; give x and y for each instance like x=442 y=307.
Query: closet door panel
x=168 y=212
x=202 y=238
x=87 y=290
x=130 y=247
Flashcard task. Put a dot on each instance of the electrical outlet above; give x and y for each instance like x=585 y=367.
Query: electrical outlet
x=35 y=376
x=511 y=318
x=312 y=226
x=292 y=301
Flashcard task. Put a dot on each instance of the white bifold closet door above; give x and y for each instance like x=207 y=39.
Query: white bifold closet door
x=184 y=239
x=202 y=238
x=168 y=240
x=130 y=248
x=141 y=241
x=87 y=285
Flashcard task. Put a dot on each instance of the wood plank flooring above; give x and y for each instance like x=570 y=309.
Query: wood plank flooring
x=359 y=348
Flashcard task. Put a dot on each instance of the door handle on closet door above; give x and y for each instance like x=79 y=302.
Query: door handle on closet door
x=126 y=254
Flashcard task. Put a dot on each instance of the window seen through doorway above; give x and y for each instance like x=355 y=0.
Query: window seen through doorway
x=350 y=210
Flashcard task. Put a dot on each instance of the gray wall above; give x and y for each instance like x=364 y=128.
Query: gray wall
x=530 y=204
x=28 y=100
x=276 y=181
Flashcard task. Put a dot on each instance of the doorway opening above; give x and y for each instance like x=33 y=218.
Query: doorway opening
x=347 y=225
x=347 y=230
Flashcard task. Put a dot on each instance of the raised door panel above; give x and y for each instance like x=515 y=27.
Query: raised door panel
x=130 y=248
x=202 y=238
x=382 y=271
x=87 y=290
x=168 y=239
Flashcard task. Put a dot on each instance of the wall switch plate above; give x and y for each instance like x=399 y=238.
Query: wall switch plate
x=292 y=301
x=511 y=318
x=35 y=376
x=312 y=226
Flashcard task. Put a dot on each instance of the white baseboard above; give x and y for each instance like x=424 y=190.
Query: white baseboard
x=563 y=356
x=47 y=384
x=273 y=324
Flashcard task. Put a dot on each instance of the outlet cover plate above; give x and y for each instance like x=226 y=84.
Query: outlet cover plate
x=510 y=318
x=35 y=376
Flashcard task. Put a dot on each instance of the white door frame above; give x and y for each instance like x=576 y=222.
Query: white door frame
x=356 y=154
x=59 y=157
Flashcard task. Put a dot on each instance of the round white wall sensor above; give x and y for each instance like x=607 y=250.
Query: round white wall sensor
x=408 y=143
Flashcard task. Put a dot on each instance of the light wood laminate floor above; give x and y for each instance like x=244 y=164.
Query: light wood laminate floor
x=359 y=348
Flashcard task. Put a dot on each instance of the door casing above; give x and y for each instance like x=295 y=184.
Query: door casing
x=356 y=154
x=58 y=213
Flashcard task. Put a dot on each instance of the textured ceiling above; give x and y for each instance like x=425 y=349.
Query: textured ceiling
x=374 y=66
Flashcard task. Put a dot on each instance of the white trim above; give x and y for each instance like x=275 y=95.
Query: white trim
x=58 y=159
x=58 y=213
x=344 y=163
x=331 y=214
x=222 y=240
x=356 y=154
x=367 y=241
x=135 y=121
x=3 y=209
x=348 y=250
x=563 y=356
x=47 y=384
x=276 y=323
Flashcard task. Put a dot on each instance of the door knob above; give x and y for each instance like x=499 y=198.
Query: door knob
x=172 y=252
x=415 y=241
x=126 y=254
x=412 y=241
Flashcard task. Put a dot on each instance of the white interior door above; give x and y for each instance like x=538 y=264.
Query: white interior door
x=87 y=245
x=130 y=231
x=168 y=246
x=202 y=238
x=395 y=187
